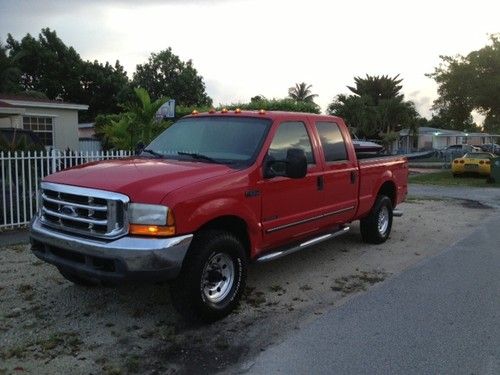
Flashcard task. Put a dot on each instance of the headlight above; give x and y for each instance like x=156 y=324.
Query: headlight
x=150 y=220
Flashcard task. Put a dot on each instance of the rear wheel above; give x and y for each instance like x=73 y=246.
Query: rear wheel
x=213 y=277
x=376 y=227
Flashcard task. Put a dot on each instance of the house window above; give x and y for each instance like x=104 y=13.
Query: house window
x=41 y=126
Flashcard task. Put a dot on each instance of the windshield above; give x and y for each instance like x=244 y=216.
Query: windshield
x=231 y=140
x=478 y=155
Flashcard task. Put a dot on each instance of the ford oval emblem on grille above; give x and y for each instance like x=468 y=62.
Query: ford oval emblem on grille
x=69 y=210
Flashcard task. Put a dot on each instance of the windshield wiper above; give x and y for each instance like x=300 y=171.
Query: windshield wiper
x=157 y=154
x=195 y=155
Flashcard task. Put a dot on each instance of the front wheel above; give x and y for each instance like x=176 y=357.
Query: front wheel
x=376 y=227
x=212 y=278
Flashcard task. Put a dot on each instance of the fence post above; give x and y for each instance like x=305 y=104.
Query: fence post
x=54 y=162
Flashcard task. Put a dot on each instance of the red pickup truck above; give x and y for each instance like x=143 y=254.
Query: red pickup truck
x=211 y=193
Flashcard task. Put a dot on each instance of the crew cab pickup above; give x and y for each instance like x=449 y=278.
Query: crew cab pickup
x=211 y=193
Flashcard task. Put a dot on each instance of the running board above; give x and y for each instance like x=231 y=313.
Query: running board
x=397 y=213
x=281 y=253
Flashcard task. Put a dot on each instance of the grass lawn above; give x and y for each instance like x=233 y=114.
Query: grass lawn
x=445 y=178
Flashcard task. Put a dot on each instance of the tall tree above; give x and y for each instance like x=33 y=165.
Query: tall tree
x=377 y=108
x=301 y=92
x=47 y=65
x=377 y=87
x=9 y=72
x=467 y=83
x=103 y=87
x=166 y=75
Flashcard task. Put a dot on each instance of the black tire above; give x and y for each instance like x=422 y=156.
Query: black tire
x=75 y=279
x=371 y=231
x=204 y=290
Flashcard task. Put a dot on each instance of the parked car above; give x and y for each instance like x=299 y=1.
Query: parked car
x=491 y=147
x=473 y=162
x=453 y=151
x=211 y=193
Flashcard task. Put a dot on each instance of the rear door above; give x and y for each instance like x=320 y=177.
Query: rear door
x=291 y=207
x=341 y=173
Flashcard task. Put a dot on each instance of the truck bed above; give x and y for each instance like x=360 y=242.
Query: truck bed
x=371 y=171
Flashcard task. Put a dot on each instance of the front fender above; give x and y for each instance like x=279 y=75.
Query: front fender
x=191 y=219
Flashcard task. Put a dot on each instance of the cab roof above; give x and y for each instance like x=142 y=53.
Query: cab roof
x=272 y=115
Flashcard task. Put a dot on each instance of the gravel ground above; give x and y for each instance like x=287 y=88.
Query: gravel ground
x=48 y=325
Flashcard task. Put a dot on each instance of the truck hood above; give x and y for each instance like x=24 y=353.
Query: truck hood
x=142 y=180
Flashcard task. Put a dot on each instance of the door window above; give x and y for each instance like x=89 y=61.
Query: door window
x=291 y=134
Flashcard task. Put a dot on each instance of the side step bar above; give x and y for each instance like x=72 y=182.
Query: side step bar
x=397 y=213
x=284 y=252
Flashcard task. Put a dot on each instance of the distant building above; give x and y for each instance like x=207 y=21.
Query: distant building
x=438 y=139
x=55 y=122
x=86 y=130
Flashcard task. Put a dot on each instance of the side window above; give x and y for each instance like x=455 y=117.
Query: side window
x=332 y=141
x=291 y=135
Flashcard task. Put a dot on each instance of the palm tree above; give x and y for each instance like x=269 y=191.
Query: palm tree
x=378 y=87
x=301 y=92
x=137 y=124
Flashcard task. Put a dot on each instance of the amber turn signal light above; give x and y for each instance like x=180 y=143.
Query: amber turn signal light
x=152 y=230
x=155 y=230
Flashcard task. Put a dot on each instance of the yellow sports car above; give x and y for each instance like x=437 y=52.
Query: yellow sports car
x=472 y=162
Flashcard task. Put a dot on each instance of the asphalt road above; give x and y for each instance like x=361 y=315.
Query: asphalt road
x=440 y=317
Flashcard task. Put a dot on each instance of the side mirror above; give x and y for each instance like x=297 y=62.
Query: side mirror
x=294 y=166
x=296 y=163
x=139 y=147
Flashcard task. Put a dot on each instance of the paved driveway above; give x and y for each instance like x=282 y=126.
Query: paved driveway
x=441 y=317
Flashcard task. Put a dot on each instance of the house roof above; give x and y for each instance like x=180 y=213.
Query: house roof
x=23 y=101
x=7 y=109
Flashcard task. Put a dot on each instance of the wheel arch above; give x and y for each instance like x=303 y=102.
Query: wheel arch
x=233 y=224
x=388 y=188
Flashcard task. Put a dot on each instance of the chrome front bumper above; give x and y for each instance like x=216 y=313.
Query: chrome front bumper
x=125 y=258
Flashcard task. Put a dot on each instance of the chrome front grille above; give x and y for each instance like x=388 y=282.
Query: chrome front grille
x=83 y=211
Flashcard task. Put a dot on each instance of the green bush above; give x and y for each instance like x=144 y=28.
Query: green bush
x=286 y=105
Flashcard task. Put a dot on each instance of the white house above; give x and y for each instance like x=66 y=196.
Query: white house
x=55 y=122
x=436 y=139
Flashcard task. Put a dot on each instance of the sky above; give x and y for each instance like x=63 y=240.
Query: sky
x=244 y=48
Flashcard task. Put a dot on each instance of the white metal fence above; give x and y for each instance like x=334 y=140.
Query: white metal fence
x=21 y=173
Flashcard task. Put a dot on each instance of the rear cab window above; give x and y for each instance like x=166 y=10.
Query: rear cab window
x=332 y=142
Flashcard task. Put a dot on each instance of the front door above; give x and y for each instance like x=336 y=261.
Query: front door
x=291 y=207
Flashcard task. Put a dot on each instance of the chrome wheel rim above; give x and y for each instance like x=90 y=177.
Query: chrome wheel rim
x=218 y=277
x=383 y=220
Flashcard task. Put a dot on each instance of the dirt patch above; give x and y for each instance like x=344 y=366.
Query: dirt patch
x=48 y=325
x=475 y=205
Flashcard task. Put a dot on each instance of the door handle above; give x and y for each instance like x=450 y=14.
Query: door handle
x=320 y=183
x=354 y=174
